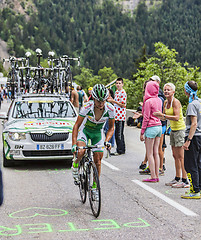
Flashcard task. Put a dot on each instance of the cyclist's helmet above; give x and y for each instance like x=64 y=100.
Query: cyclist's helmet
x=100 y=92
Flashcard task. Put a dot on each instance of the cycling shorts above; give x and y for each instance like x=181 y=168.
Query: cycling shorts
x=96 y=137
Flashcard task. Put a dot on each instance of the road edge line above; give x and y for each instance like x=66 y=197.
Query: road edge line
x=171 y=202
x=110 y=165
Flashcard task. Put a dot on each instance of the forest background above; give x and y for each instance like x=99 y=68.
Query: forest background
x=162 y=39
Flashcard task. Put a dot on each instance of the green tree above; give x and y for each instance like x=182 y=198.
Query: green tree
x=107 y=75
x=86 y=78
x=2 y=69
x=165 y=65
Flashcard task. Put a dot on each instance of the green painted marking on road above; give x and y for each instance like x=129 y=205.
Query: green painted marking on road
x=104 y=224
x=33 y=228
x=73 y=228
x=169 y=192
x=42 y=228
x=38 y=211
x=56 y=171
x=134 y=224
x=111 y=223
x=7 y=231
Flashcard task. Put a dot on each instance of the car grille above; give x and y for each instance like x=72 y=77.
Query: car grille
x=43 y=137
x=46 y=153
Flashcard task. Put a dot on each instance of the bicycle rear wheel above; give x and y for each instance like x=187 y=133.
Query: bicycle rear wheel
x=82 y=181
x=94 y=189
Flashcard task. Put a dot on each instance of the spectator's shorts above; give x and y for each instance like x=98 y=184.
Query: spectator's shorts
x=177 y=138
x=152 y=132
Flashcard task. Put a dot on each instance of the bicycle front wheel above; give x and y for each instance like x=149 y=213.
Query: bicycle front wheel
x=94 y=189
x=82 y=181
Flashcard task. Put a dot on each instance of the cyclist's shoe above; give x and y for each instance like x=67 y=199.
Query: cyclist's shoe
x=145 y=171
x=94 y=194
x=75 y=173
x=142 y=166
x=94 y=185
x=191 y=195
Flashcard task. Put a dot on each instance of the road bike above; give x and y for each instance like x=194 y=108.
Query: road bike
x=15 y=75
x=67 y=77
x=88 y=180
x=53 y=79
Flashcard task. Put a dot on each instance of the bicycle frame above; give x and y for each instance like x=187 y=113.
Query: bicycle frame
x=89 y=180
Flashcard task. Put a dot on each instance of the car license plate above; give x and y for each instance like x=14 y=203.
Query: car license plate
x=50 y=146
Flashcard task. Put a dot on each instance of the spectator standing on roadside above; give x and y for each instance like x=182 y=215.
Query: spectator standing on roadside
x=1 y=99
x=74 y=98
x=68 y=92
x=81 y=96
x=2 y=94
x=192 y=145
x=90 y=94
x=106 y=127
x=173 y=112
x=85 y=98
x=162 y=145
x=1 y=188
x=119 y=102
x=151 y=128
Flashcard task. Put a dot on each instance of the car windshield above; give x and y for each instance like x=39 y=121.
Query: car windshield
x=43 y=109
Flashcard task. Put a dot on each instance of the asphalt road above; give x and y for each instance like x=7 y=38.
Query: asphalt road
x=41 y=201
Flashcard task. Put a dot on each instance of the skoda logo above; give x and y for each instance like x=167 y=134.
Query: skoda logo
x=49 y=133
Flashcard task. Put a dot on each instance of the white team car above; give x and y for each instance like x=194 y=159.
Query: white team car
x=38 y=127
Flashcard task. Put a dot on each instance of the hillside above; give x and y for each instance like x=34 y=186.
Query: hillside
x=102 y=34
x=19 y=6
x=130 y=5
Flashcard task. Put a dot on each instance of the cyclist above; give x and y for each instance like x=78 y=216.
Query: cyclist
x=89 y=125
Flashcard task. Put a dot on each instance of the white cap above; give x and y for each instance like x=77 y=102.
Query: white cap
x=155 y=78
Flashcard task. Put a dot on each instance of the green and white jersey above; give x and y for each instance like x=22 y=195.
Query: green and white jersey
x=91 y=128
x=90 y=123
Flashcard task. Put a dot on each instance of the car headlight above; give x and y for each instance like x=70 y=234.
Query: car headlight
x=16 y=136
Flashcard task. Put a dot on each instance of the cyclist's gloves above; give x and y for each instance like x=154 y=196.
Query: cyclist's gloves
x=107 y=145
x=74 y=148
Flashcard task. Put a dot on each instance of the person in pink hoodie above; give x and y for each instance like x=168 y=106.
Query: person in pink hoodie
x=151 y=128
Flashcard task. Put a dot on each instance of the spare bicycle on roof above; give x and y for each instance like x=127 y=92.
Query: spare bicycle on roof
x=55 y=78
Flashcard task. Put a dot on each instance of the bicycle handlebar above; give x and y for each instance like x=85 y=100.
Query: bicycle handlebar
x=96 y=146
x=14 y=59
x=90 y=147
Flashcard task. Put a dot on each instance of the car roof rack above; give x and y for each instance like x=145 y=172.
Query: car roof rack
x=40 y=81
x=42 y=95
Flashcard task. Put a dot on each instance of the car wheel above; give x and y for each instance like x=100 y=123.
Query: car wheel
x=6 y=162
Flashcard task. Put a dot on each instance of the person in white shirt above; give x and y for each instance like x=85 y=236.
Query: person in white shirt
x=119 y=102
